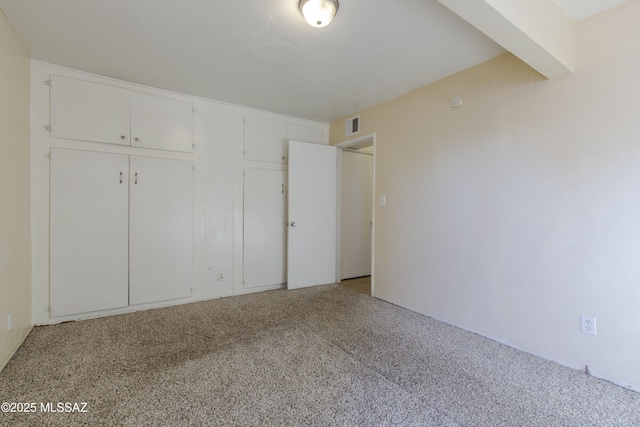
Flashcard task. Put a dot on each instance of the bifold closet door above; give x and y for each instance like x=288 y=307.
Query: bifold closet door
x=160 y=229
x=89 y=217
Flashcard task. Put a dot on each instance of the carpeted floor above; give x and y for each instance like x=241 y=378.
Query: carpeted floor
x=324 y=356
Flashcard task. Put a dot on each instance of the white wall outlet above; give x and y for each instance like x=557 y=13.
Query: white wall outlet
x=220 y=276
x=9 y=321
x=588 y=325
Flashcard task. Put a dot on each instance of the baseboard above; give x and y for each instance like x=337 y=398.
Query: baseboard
x=15 y=348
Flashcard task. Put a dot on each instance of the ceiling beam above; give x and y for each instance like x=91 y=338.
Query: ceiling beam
x=538 y=32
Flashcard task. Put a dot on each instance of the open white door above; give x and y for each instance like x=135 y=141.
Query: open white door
x=313 y=171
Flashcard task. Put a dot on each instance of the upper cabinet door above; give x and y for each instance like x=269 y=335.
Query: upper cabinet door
x=89 y=111
x=265 y=140
x=161 y=123
x=304 y=134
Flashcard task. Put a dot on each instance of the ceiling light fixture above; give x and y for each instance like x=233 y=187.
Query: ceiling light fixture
x=319 y=13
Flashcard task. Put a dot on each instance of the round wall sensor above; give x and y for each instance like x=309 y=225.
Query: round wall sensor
x=456 y=101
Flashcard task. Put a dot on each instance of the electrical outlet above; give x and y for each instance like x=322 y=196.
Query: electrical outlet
x=9 y=321
x=588 y=325
x=220 y=276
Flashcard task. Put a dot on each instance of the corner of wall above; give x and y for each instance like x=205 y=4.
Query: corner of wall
x=15 y=204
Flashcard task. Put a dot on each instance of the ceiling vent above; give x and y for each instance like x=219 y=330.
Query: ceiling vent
x=352 y=126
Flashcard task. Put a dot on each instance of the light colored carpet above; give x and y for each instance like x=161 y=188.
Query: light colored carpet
x=324 y=356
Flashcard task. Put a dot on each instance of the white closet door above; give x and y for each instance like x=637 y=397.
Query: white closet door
x=160 y=229
x=265 y=140
x=88 y=232
x=161 y=123
x=89 y=111
x=264 y=227
x=357 y=206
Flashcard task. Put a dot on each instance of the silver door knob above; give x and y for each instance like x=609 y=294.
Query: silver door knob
x=292 y=223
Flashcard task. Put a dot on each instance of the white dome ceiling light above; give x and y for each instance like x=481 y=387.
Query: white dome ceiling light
x=319 y=13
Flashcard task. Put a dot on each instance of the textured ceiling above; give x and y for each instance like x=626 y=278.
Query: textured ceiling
x=258 y=53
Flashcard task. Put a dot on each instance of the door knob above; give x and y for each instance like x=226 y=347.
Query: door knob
x=292 y=223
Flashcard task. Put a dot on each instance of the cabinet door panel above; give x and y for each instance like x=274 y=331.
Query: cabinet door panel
x=264 y=227
x=89 y=231
x=161 y=123
x=265 y=140
x=160 y=235
x=89 y=111
x=304 y=134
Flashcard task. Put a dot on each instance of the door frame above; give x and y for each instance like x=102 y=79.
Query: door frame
x=356 y=143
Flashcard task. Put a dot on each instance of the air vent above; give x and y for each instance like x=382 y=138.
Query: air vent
x=352 y=126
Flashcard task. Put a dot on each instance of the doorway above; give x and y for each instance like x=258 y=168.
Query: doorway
x=355 y=259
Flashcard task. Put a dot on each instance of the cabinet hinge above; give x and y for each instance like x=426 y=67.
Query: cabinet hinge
x=244 y=120
x=194 y=145
x=193 y=290
x=50 y=155
x=243 y=173
x=193 y=168
x=193 y=110
x=244 y=152
x=49 y=127
x=47 y=82
x=243 y=283
x=48 y=309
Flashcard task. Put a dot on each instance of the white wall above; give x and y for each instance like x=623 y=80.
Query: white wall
x=217 y=167
x=218 y=139
x=15 y=212
x=519 y=211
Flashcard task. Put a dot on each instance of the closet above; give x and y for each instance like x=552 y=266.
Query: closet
x=121 y=230
x=94 y=112
x=120 y=222
x=265 y=207
x=265 y=141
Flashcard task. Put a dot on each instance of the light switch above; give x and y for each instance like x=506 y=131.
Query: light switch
x=383 y=200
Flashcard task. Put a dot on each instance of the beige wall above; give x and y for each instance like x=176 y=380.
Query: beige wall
x=519 y=211
x=15 y=211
